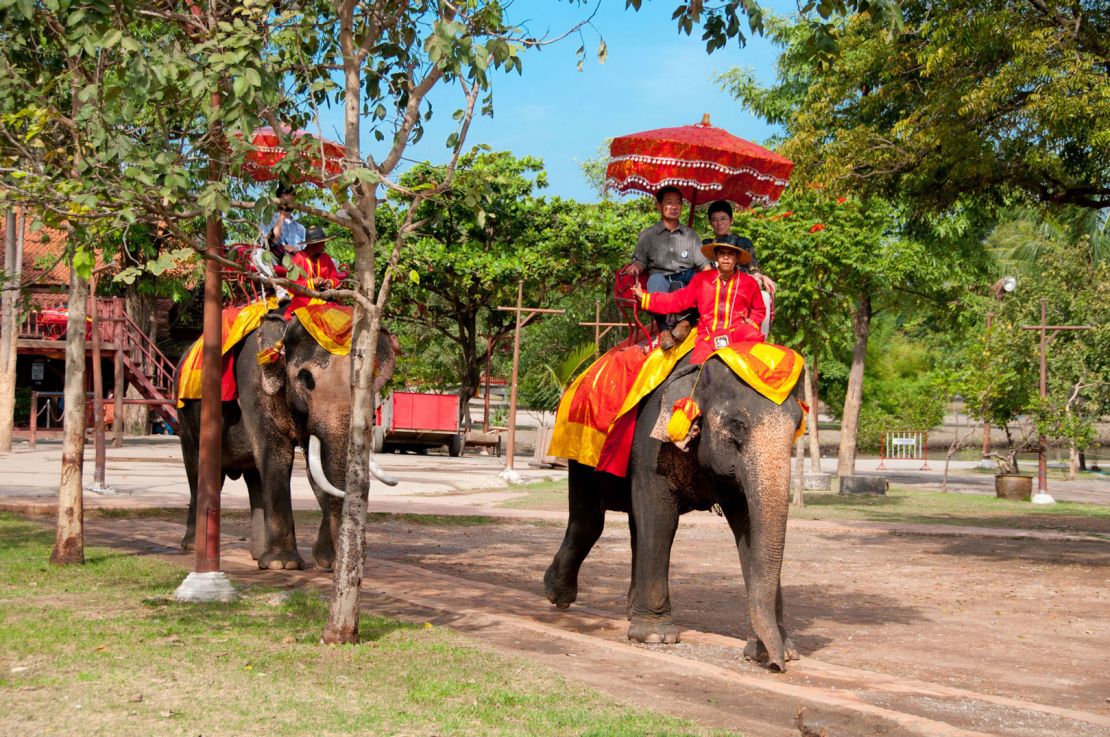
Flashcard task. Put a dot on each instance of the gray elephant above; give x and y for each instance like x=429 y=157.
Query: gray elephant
x=302 y=399
x=739 y=458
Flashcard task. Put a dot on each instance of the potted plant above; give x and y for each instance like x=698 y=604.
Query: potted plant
x=1009 y=482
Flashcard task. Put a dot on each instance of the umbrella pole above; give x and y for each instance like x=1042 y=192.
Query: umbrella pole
x=693 y=202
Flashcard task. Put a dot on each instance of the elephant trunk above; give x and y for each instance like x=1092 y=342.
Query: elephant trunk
x=768 y=475
x=316 y=469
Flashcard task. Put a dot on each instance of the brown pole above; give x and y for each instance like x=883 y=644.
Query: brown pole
x=33 y=437
x=485 y=402
x=117 y=374
x=1042 y=462
x=597 y=326
x=208 y=478
x=987 y=425
x=511 y=445
x=98 y=386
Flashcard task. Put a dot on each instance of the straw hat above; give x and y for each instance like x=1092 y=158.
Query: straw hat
x=732 y=242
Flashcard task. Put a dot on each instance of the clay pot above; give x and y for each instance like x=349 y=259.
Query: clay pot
x=1013 y=486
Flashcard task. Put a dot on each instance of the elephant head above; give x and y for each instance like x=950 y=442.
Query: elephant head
x=316 y=386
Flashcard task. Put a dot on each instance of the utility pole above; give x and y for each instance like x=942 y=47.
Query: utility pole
x=509 y=473
x=207 y=583
x=597 y=325
x=1042 y=496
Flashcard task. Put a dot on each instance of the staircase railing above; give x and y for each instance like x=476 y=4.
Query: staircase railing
x=141 y=352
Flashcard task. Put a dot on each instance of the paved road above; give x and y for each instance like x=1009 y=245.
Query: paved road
x=148 y=472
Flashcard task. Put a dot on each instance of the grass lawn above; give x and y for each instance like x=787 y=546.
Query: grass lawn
x=543 y=495
x=930 y=507
x=101 y=649
x=900 y=505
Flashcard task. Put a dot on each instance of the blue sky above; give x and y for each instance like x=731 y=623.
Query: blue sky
x=654 y=77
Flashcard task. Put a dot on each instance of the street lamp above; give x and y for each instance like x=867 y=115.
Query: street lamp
x=999 y=289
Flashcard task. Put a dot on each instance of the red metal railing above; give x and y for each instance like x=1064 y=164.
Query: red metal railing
x=146 y=366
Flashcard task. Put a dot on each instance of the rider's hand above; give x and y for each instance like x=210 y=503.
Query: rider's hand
x=637 y=290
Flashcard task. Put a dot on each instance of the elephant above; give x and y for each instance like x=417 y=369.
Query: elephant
x=738 y=458
x=302 y=399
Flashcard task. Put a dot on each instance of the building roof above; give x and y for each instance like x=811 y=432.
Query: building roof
x=44 y=261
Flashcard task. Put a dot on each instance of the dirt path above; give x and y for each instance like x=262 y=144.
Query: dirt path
x=900 y=634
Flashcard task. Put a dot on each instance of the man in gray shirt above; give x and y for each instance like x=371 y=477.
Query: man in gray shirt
x=670 y=253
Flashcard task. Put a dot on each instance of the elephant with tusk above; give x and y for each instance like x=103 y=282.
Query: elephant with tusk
x=737 y=456
x=300 y=399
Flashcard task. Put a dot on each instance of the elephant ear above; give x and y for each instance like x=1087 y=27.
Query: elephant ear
x=681 y=384
x=271 y=355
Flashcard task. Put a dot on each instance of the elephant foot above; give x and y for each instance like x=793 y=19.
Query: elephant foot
x=756 y=652
x=791 y=650
x=653 y=632
x=557 y=592
x=325 y=558
x=289 y=560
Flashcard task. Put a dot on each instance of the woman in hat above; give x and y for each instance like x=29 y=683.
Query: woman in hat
x=315 y=269
x=730 y=306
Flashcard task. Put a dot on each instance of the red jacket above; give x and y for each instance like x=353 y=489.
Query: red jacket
x=319 y=274
x=732 y=310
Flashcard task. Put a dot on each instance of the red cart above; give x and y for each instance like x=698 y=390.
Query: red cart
x=418 y=421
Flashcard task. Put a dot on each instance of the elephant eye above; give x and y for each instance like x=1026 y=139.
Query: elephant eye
x=305 y=377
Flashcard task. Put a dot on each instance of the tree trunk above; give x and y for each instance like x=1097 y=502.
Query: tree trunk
x=140 y=308
x=343 y=613
x=69 y=538
x=811 y=421
x=342 y=624
x=9 y=328
x=861 y=327
x=472 y=367
x=1073 y=461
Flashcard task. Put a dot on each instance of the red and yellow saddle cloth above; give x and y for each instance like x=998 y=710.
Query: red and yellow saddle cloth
x=597 y=414
x=329 y=324
x=237 y=322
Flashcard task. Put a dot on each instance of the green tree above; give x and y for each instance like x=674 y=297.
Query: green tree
x=989 y=100
x=478 y=240
x=838 y=256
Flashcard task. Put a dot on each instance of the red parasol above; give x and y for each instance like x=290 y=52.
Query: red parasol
x=323 y=159
x=704 y=162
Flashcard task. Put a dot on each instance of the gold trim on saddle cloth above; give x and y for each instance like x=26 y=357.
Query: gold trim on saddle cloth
x=772 y=370
x=330 y=324
x=583 y=420
x=236 y=323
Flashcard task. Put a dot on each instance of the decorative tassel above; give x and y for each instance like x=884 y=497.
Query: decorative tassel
x=683 y=414
x=805 y=411
x=270 y=355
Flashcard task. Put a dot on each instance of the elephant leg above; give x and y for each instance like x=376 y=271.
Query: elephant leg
x=324 y=549
x=656 y=520
x=188 y=540
x=585 y=522
x=738 y=519
x=631 y=600
x=258 y=513
x=281 y=537
x=191 y=458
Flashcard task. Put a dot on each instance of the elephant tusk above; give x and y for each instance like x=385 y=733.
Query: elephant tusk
x=379 y=473
x=317 y=470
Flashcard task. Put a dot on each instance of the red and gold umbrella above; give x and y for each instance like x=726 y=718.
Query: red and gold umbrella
x=322 y=159
x=704 y=162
